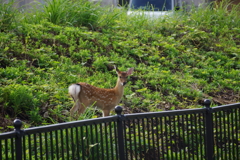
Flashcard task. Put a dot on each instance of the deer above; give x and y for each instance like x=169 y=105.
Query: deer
x=86 y=95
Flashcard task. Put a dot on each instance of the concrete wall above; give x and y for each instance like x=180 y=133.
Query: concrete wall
x=106 y=2
x=194 y=2
x=25 y=3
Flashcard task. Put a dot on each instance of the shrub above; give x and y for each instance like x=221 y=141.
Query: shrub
x=23 y=100
x=67 y=13
x=7 y=15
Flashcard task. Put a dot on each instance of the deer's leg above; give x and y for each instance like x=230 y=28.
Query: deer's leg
x=74 y=108
x=81 y=109
x=106 y=113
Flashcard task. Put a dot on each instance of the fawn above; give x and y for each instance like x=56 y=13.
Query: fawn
x=85 y=95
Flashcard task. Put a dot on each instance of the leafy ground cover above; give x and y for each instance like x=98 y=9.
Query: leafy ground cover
x=178 y=60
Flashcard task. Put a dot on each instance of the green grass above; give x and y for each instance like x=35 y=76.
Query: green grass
x=178 y=60
x=7 y=15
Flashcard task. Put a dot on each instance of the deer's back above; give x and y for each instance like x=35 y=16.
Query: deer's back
x=100 y=97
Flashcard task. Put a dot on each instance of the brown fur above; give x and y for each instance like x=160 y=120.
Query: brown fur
x=105 y=99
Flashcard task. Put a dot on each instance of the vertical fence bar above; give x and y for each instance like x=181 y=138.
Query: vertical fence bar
x=217 y=134
x=41 y=146
x=72 y=141
x=61 y=150
x=46 y=145
x=179 y=135
x=176 y=146
x=35 y=145
x=135 y=139
x=111 y=138
x=139 y=138
x=130 y=139
x=232 y=134
x=237 y=119
x=192 y=136
x=157 y=136
x=106 y=140
x=1 y=152
x=92 y=141
x=225 y=135
x=170 y=137
x=6 y=146
x=162 y=136
x=220 y=133
x=230 y=149
x=183 y=133
x=77 y=144
x=118 y=110
x=188 y=137
x=125 y=137
x=101 y=141
x=30 y=146
x=69 y=139
x=116 y=141
x=144 y=136
x=166 y=136
x=18 y=141
x=51 y=142
x=153 y=138
x=148 y=136
x=12 y=147
x=57 y=143
x=209 y=130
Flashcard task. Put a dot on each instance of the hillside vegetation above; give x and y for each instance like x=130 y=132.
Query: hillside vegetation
x=179 y=60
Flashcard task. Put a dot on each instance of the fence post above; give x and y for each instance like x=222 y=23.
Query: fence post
x=209 y=130
x=118 y=110
x=18 y=141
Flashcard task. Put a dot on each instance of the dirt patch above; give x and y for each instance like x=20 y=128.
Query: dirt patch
x=222 y=97
x=6 y=124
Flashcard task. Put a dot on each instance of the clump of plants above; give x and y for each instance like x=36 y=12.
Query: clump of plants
x=8 y=14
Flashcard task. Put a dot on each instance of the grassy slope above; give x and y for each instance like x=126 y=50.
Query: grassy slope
x=179 y=61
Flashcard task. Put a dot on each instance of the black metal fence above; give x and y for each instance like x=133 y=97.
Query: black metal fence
x=204 y=133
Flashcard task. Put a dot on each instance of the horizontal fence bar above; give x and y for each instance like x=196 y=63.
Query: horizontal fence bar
x=166 y=113
x=226 y=107
x=73 y=124
x=8 y=135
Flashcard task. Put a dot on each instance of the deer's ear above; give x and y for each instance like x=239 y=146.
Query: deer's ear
x=130 y=71
x=116 y=69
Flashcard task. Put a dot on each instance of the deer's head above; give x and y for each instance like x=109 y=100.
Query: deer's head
x=123 y=75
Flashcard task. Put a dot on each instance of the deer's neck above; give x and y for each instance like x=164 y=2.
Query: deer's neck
x=119 y=88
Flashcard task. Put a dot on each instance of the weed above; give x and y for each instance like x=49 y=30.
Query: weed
x=8 y=14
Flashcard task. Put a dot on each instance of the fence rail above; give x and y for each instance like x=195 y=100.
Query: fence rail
x=203 y=133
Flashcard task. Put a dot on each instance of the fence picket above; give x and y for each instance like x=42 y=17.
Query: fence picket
x=209 y=130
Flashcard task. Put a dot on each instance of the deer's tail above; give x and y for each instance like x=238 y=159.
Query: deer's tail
x=74 y=91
